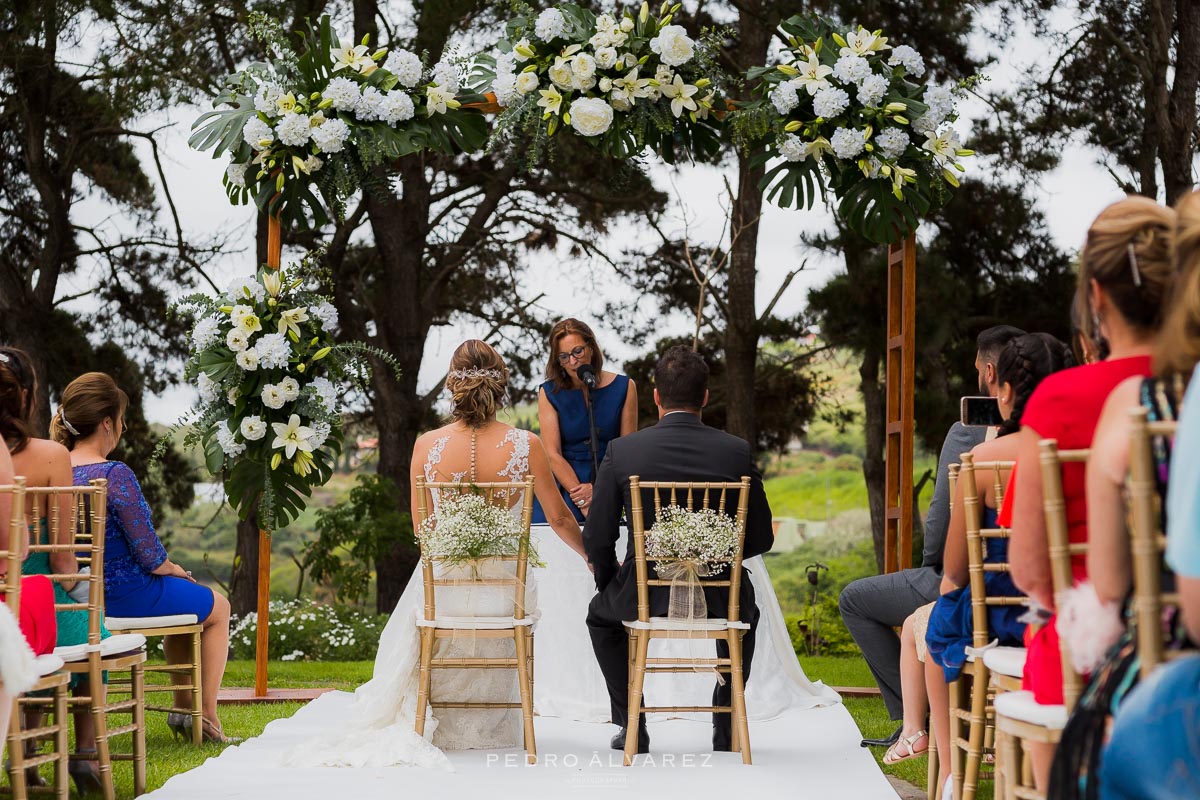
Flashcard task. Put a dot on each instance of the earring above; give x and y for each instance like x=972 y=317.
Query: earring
x=1097 y=337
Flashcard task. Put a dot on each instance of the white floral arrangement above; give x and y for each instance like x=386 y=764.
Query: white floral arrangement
x=704 y=536
x=322 y=118
x=272 y=383
x=621 y=80
x=845 y=107
x=465 y=528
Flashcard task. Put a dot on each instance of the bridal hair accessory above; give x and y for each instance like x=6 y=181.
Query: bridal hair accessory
x=66 y=423
x=4 y=357
x=1133 y=265
x=475 y=372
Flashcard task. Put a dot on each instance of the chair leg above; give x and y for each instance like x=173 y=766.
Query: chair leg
x=138 y=678
x=197 y=696
x=16 y=752
x=519 y=637
x=978 y=726
x=931 y=774
x=62 y=746
x=637 y=683
x=739 y=697
x=423 y=679
x=956 y=735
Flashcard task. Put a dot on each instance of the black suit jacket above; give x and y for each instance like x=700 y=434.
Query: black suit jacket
x=679 y=448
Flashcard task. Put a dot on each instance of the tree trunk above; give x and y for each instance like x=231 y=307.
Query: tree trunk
x=1178 y=148
x=399 y=427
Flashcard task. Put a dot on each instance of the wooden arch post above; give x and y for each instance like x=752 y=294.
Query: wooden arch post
x=261 y=644
x=900 y=387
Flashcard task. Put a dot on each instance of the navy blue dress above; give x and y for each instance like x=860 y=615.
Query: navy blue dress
x=575 y=438
x=950 y=627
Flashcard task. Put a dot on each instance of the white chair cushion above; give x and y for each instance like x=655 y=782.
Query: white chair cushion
x=113 y=645
x=1008 y=661
x=475 y=623
x=665 y=624
x=139 y=623
x=1022 y=707
x=47 y=664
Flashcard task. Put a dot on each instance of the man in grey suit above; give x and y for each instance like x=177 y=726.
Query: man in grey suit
x=874 y=607
x=679 y=448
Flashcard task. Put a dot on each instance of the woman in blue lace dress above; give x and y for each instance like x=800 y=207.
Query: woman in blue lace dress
x=139 y=579
x=1023 y=364
x=563 y=413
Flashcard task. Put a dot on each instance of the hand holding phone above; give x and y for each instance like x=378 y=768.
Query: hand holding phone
x=980 y=411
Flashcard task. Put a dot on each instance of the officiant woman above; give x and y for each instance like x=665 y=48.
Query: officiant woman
x=563 y=412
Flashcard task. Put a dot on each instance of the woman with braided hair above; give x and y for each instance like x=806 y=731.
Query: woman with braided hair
x=1022 y=366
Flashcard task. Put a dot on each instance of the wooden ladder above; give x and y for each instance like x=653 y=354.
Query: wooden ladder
x=900 y=385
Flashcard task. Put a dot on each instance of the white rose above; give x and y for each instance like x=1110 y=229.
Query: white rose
x=232 y=395
x=209 y=389
x=237 y=340
x=627 y=24
x=606 y=57
x=253 y=428
x=272 y=396
x=527 y=82
x=591 y=116
x=290 y=388
x=584 y=66
x=673 y=45
x=561 y=73
x=248 y=359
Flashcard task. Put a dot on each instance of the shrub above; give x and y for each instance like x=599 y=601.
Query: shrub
x=303 y=630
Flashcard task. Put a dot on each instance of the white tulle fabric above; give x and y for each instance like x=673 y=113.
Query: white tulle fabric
x=17 y=671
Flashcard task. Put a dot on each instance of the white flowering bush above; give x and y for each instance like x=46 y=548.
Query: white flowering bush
x=272 y=380
x=846 y=110
x=705 y=536
x=465 y=527
x=318 y=121
x=303 y=630
x=623 y=81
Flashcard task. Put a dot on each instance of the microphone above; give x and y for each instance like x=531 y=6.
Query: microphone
x=587 y=374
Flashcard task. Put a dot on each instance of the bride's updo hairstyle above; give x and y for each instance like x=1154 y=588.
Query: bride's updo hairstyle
x=86 y=403
x=477 y=382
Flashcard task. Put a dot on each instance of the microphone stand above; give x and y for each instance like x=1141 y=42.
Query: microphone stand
x=595 y=438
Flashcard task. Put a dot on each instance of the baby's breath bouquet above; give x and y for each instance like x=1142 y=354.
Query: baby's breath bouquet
x=321 y=118
x=687 y=545
x=623 y=80
x=848 y=107
x=466 y=528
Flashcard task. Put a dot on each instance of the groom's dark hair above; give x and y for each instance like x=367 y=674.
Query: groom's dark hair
x=681 y=377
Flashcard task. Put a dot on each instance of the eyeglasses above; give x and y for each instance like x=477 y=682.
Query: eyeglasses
x=576 y=354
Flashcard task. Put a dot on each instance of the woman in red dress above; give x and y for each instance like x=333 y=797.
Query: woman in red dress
x=1124 y=274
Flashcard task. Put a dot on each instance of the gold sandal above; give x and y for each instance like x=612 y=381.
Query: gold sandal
x=893 y=756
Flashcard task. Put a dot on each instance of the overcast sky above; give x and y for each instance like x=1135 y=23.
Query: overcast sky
x=1071 y=197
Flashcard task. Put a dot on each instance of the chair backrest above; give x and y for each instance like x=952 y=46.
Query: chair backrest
x=1062 y=551
x=1147 y=540
x=84 y=528
x=952 y=471
x=977 y=536
x=10 y=581
x=493 y=494
x=693 y=497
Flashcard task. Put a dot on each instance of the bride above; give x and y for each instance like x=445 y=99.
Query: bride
x=473 y=447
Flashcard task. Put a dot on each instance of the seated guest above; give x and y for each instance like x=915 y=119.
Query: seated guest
x=1124 y=272
x=874 y=607
x=1115 y=670
x=1024 y=364
x=139 y=579
x=45 y=463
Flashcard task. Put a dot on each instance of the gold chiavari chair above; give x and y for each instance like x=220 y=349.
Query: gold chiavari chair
x=185 y=675
x=518 y=627
x=1148 y=542
x=51 y=679
x=645 y=628
x=972 y=717
x=1019 y=718
x=932 y=768
x=119 y=652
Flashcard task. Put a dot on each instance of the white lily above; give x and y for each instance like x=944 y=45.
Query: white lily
x=272 y=282
x=863 y=42
x=350 y=56
x=438 y=99
x=681 y=95
x=289 y=321
x=551 y=100
x=944 y=146
x=631 y=85
x=817 y=148
x=813 y=75
x=292 y=436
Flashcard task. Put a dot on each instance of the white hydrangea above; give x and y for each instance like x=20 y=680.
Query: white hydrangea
x=247 y=359
x=851 y=69
x=848 y=143
x=320 y=434
x=445 y=74
x=505 y=88
x=325 y=392
x=673 y=45
x=591 y=116
x=290 y=388
x=273 y=351
x=206 y=332
x=257 y=134
x=331 y=136
x=294 y=129
x=784 y=97
x=910 y=59
x=243 y=288
x=892 y=142
x=940 y=100
x=550 y=25
x=209 y=389
x=830 y=102
x=872 y=90
x=368 y=104
x=343 y=92
x=405 y=65
x=326 y=314
x=229 y=445
x=236 y=174
x=267 y=98
x=791 y=147
x=272 y=396
x=237 y=339
x=396 y=107
x=253 y=428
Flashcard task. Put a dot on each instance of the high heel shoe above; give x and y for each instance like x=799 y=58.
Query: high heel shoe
x=86 y=778
x=180 y=725
x=213 y=733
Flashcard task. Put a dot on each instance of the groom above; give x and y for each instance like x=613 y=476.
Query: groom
x=679 y=448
